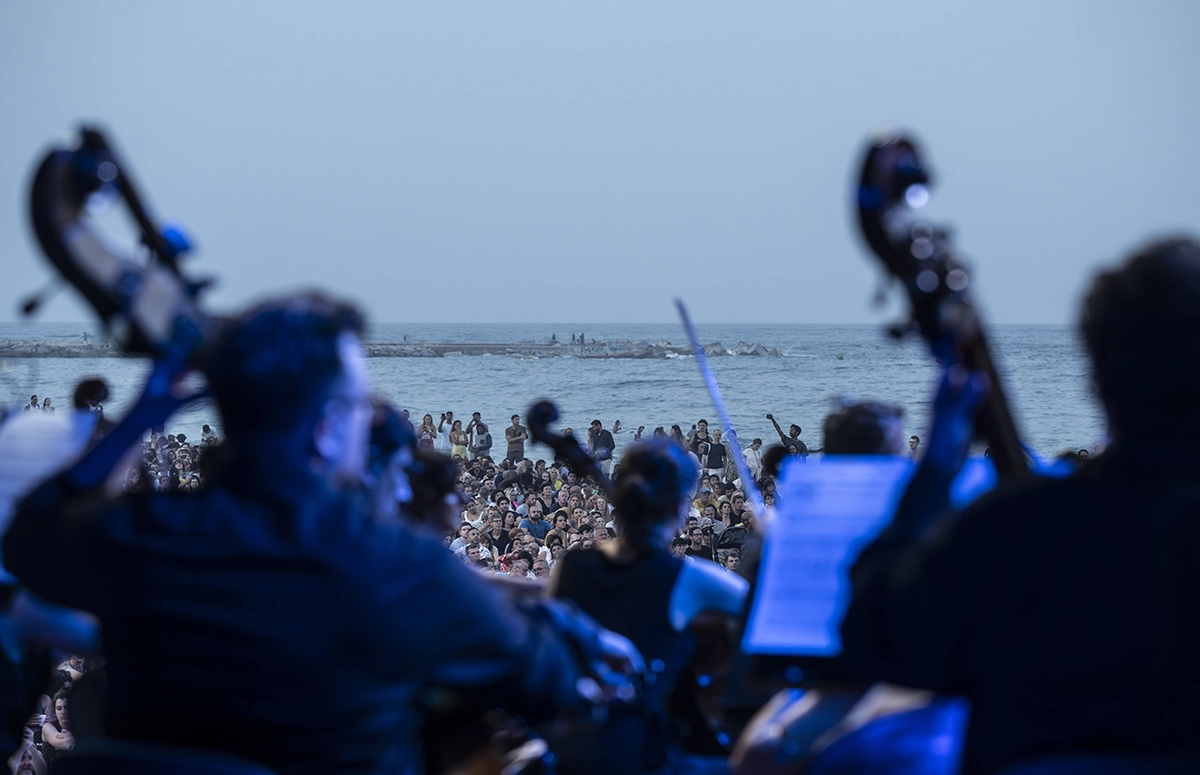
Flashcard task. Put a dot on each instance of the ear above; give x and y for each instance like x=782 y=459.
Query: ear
x=327 y=441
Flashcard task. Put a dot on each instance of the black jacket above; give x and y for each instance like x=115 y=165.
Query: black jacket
x=1068 y=611
x=269 y=617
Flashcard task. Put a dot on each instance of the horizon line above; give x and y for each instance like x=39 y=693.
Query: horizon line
x=560 y=323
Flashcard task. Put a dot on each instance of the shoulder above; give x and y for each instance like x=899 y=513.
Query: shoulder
x=704 y=586
x=573 y=569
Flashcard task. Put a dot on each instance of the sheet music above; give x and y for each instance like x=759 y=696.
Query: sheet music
x=827 y=512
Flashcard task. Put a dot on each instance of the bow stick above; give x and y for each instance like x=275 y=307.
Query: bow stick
x=710 y=381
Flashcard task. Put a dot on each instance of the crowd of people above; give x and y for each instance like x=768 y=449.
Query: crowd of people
x=510 y=515
x=275 y=568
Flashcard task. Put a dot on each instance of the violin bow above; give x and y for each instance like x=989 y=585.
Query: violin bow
x=749 y=486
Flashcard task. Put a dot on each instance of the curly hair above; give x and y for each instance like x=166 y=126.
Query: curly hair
x=272 y=367
x=1141 y=325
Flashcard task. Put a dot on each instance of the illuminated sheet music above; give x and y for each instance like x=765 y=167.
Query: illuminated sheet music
x=828 y=511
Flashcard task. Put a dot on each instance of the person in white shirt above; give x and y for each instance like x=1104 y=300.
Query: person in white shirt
x=753 y=455
x=444 y=426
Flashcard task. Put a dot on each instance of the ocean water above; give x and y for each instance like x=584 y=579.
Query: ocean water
x=1043 y=368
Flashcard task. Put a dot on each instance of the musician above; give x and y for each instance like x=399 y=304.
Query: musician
x=635 y=586
x=922 y=732
x=1065 y=609
x=309 y=629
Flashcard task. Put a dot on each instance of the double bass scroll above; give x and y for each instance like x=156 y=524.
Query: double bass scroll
x=141 y=294
x=893 y=184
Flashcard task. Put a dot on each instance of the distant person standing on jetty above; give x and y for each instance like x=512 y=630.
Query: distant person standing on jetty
x=33 y=405
x=516 y=435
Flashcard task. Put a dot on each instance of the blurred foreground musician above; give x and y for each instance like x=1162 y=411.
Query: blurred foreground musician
x=270 y=615
x=1066 y=610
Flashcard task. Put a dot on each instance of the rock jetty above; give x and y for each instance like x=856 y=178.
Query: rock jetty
x=617 y=348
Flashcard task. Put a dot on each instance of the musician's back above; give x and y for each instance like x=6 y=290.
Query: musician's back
x=269 y=617
x=1065 y=609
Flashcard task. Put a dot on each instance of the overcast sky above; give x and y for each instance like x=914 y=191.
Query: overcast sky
x=563 y=162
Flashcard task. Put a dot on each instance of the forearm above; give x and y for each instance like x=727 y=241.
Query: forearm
x=65 y=629
x=59 y=740
x=926 y=498
x=914 y=590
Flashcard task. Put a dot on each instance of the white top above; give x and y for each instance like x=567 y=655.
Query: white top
x=705 y=586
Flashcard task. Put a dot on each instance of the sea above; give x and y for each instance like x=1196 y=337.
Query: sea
x=1044 y=371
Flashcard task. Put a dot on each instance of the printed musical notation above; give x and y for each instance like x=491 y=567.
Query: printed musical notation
x=828 y=511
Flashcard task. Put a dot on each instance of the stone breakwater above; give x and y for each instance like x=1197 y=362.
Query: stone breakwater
x=618 y=348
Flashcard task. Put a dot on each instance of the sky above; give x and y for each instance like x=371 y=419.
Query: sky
x=587 y=162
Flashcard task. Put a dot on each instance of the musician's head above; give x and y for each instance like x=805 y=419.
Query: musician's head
x=292 y=370
x=653 y=492
x=1141 y=325
x=865 y=428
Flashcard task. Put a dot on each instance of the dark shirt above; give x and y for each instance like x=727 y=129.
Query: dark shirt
x=716 y=457
x=515 y=446
x=277 y=620
x=1065 y=610
x=633 y=599
x=704 y=552
x=801 y=447
x=603 y=445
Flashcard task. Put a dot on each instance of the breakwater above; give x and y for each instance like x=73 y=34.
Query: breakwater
x=617 y=348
